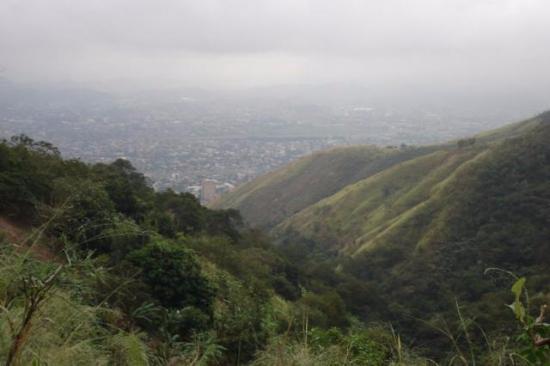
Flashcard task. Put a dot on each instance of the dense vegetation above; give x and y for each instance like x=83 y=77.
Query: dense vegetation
x=431 y=225
x=97 y=268
x=419 y=234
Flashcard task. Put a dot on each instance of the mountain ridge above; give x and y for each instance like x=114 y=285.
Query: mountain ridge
x=421 y=233
x=270 y=200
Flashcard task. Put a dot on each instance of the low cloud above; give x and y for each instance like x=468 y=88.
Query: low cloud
x=241 y=43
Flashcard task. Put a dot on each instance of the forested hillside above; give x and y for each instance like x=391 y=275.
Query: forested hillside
x=385 y=265
x=98 y=269
x=421 y=233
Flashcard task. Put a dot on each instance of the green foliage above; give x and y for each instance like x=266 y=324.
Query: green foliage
x=173 y=274
x=126 y=187
x=129 y=350
x=517 y=305
x=404 y=243
x=239 y=313
x=120 y=237
x=60 y=332
x=202 y=350
x=535 y=337
x=82 y=212
x=24 y=175
x=332 y=347
x=325 y=310
x=251 y=259
x=183 y=213
x=361 y=346
x=463 y=143
x=144 y=277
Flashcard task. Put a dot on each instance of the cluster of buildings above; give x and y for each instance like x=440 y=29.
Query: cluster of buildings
x=210 y=190
x=208 y=147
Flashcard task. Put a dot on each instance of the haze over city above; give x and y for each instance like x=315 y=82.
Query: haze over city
x=191 y=90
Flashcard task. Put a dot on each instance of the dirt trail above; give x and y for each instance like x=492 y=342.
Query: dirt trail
x=13 y=233
x=18 y=236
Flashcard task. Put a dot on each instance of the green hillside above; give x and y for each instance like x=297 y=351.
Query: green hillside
x=96 y=268
x=423 y=232
x=420 y=233
x=492 y=211
x=383 y=265
x=364 y=211
x=414 y=198
x=270 y=199
x=512 y=129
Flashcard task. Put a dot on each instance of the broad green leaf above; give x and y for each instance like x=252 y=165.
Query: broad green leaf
x=518 y=287
x=517 y=306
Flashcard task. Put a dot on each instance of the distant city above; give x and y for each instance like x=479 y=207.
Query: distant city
x=209 y=144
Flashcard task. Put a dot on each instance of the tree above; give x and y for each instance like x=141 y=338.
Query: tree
x=127 y=188
x=173 y=275
x=187 y=214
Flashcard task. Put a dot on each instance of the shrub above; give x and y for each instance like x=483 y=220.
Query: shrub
x=173 y=275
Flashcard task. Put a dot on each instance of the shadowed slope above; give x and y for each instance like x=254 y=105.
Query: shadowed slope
x=270 y=199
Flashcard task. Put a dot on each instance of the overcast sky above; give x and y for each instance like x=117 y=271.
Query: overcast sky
x=243 y=43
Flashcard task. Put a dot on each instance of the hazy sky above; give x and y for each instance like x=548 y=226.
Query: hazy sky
x=242 y=43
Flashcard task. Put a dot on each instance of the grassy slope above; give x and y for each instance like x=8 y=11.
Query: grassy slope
x=364 y=212
x=407 y=197
x=513 y=129
x=424 y=231
x=270 y=199
x=493 y=211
